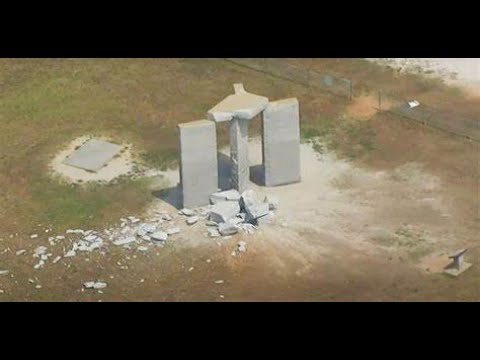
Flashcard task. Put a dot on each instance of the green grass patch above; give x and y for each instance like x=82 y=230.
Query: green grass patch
x=90 y=204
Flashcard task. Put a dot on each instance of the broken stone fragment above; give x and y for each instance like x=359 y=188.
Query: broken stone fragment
x=145 y=229
x=256 y=212
x=192 y=220
x=235 y=221
x=267 y=219
x=187 y=212
x=213 y=232
x=172 y=231
x=39 y=265
x=253 y=207
x=97 y=285
x=91 y=238
x=166 y=217
x=125 y=241
x=229 y=195
x=247 y=228
x=226 y=229
x=70 y=253
x=242 y=247
x=272 y=201
x=224 y=211
x=248 y=199
x=159 y=236
x=39 y=251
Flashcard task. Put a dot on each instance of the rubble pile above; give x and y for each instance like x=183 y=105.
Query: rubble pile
x=228 y=214
x=232 y=212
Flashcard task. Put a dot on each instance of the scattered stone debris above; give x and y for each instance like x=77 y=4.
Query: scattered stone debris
x=242 y=246
x=126 y=241
x=213 y=232
x=240 y=249
x=173 y=231
x=227 y=228
x=229 y=214
x=192 y=220
x=413 y=104
x=70 y=253
x=97 y=285
x=186 y=212
x=160 y=236
x=224 y=211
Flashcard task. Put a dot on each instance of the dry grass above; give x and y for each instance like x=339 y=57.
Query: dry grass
x=46 y=103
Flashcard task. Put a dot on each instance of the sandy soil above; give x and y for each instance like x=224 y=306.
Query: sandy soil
x=343 y=233
x=463 y=72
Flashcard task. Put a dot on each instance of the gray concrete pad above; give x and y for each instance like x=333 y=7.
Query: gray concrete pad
x=93 y=155
x=242 y=105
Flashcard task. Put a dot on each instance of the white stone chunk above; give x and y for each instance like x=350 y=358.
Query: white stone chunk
x=224 y=211
x=226 y=229
x=159 y=236
x=229 y=195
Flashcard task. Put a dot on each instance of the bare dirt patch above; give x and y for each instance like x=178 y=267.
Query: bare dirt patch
x=363 y=107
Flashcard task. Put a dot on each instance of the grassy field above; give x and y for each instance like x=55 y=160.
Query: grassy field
x=46 y=103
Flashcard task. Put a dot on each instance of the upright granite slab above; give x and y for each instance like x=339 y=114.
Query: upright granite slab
x=198 y=162
x=240 y=175
x=281 y=142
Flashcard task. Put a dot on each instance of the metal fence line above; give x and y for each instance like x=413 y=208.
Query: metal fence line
x=300 y=75
x=439 y=119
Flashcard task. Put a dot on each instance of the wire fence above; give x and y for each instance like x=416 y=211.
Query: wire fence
x=448 y=121
x=298 y=74
x=387 y=102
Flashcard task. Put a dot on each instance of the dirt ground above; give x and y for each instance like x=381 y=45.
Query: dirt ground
x=345 y=233
x=375 y=227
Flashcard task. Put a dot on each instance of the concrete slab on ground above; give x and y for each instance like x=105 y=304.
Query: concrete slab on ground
x=93 y=155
